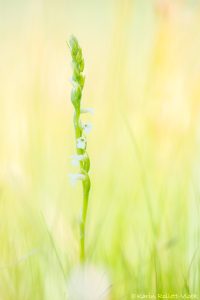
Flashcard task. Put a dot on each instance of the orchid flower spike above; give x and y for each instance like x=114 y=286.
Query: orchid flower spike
x=81 y=157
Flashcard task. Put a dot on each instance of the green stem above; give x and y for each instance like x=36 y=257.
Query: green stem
x=83 y=223
x=86 y=189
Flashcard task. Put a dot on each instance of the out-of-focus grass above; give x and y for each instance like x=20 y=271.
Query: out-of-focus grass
x=142 y=78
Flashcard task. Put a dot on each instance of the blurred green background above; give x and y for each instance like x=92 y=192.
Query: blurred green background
x=142 y=79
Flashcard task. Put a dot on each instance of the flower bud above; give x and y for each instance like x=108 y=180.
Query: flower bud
x=73 y=43
x=76 y=95
x=82 y=80
x=79 y=56
x=81 y=65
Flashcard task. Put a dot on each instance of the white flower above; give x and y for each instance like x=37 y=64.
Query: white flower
x=87 y=127
x=87 y=110
x=75 y=177
x=88 y=283
x=77 y=158
x=81 y=143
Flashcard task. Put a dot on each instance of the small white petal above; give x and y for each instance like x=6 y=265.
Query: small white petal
x=75 y=177
x=87 y=110
x=87 y=128
x=77 y=158
x=81 y=143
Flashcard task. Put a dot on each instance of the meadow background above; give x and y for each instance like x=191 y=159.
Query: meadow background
x=142 y=71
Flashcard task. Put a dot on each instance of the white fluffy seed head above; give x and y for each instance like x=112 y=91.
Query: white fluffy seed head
x=88 y=283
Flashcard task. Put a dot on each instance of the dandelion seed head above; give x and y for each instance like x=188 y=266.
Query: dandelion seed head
x=88 y=283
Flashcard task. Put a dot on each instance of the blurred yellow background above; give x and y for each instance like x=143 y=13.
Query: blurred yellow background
x=142 y=71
